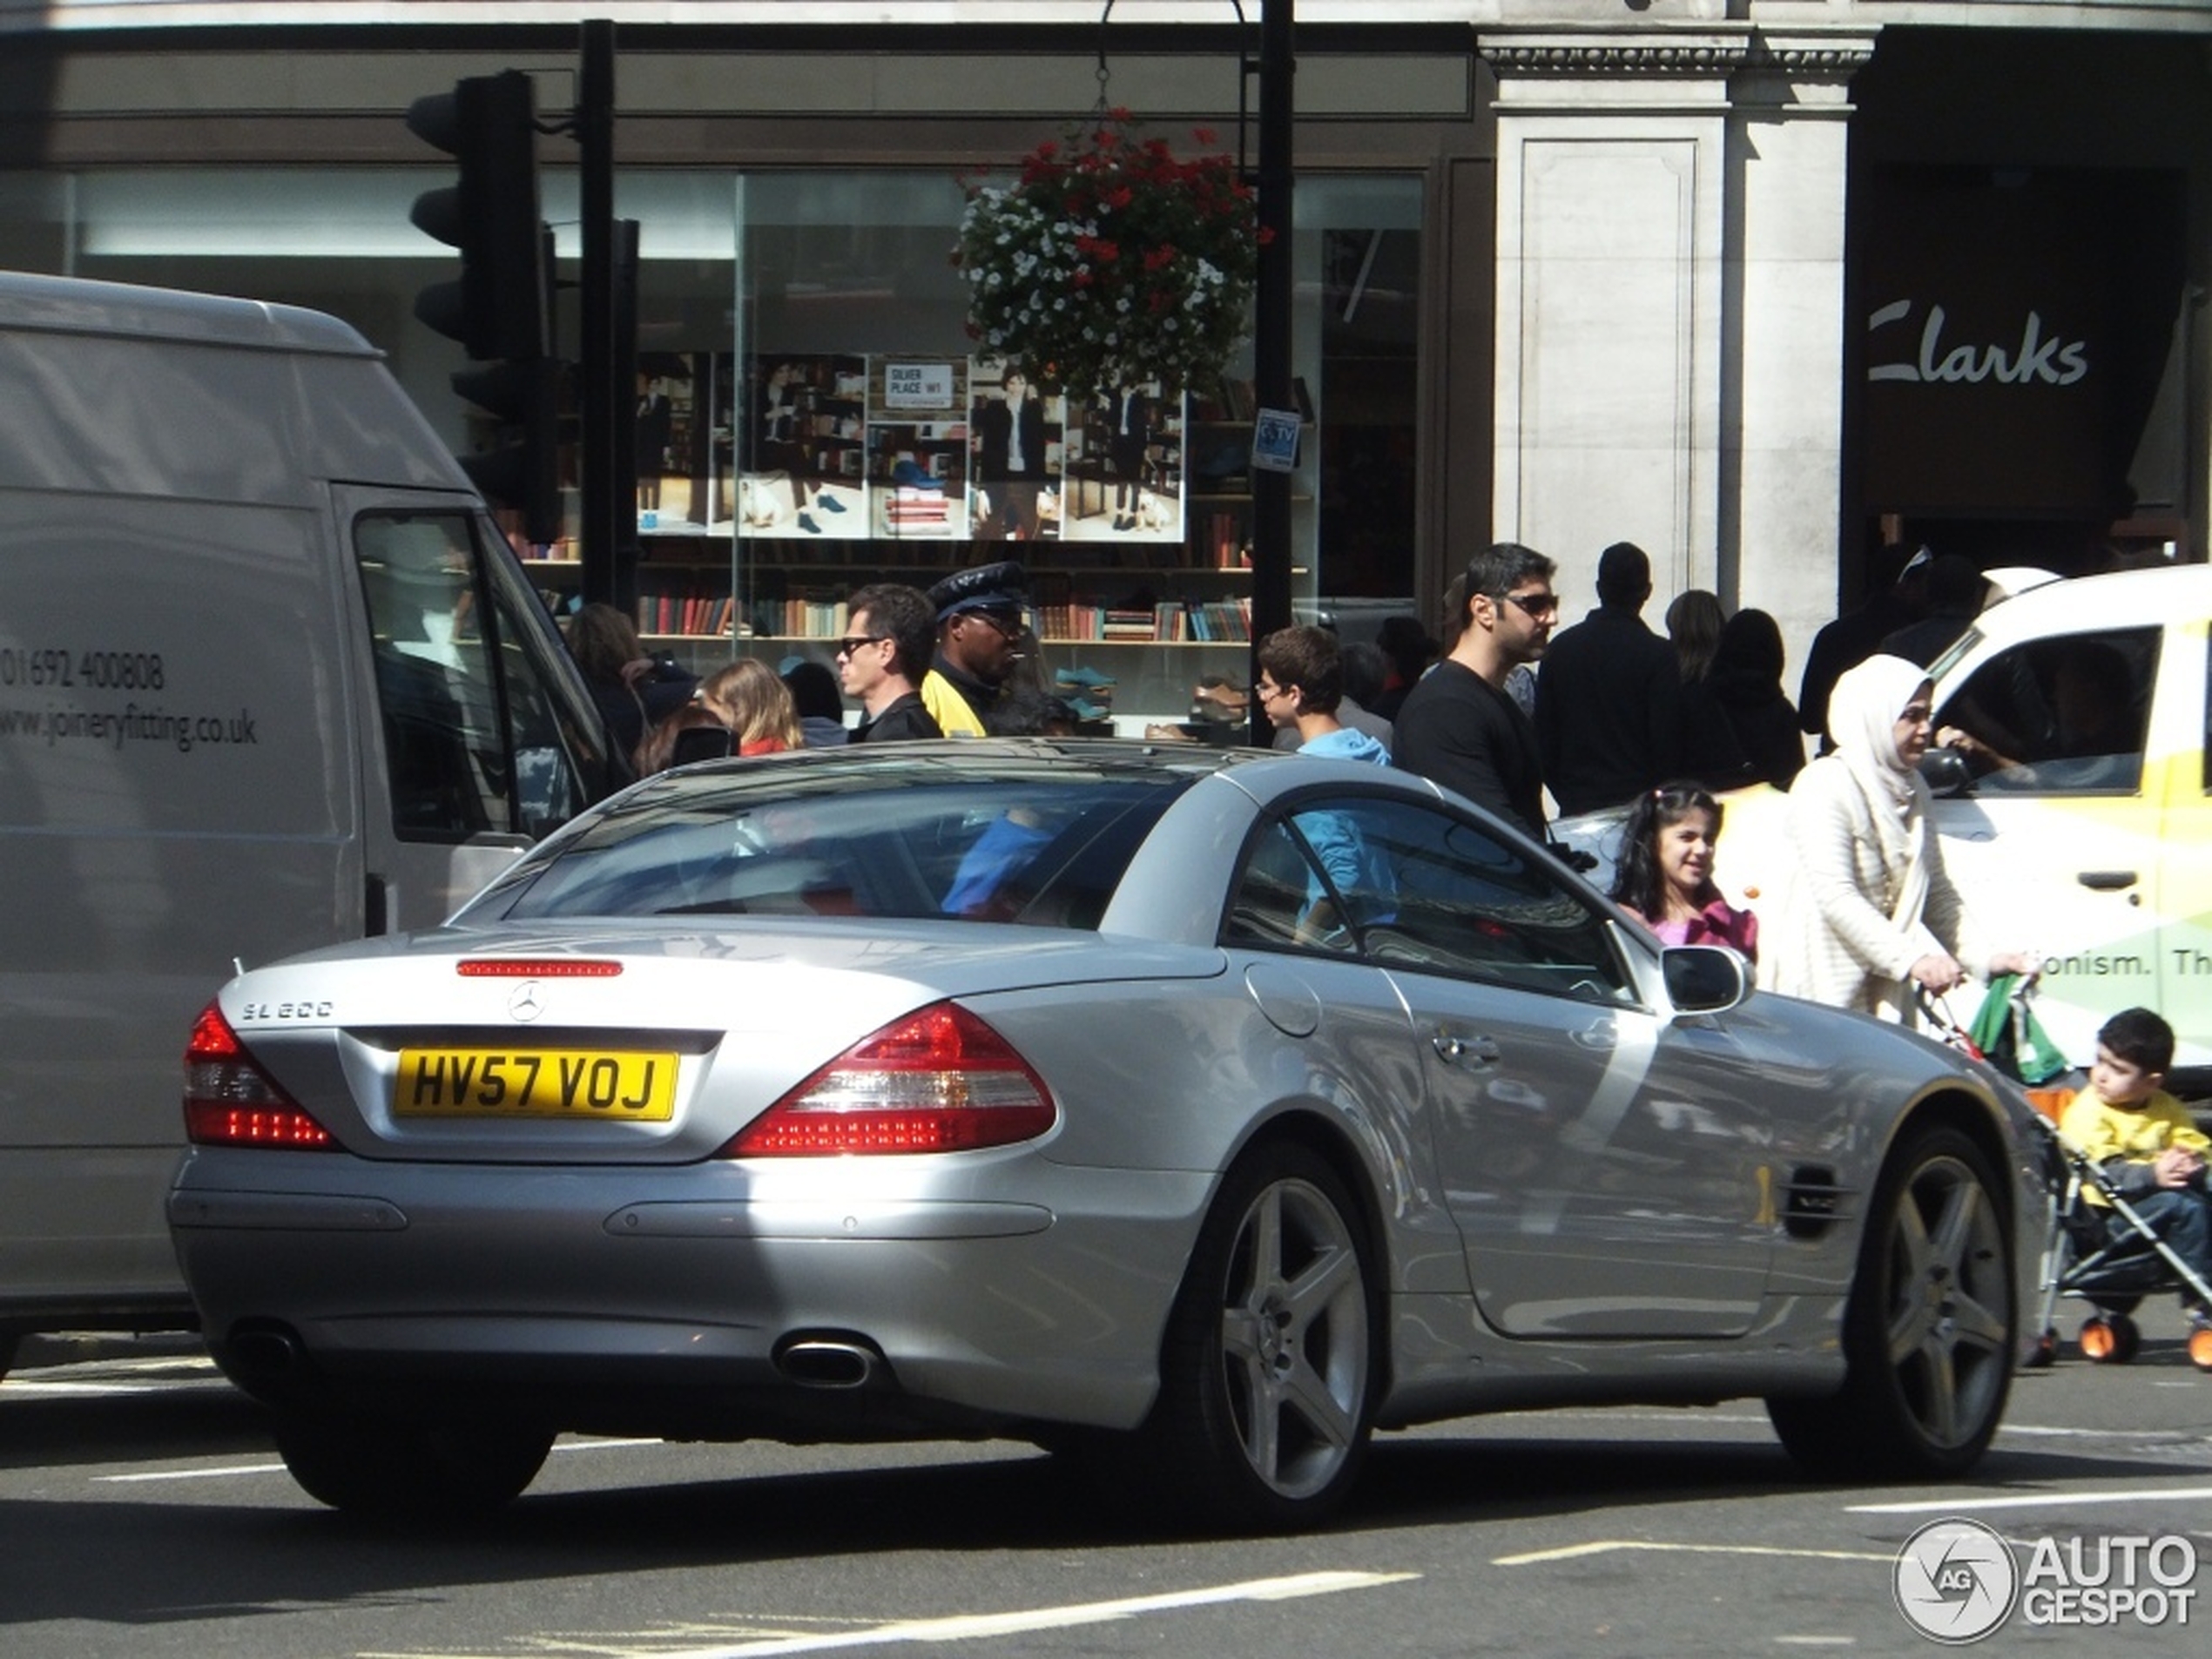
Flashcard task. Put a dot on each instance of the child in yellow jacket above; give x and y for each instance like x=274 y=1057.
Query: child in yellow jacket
x=2145 y=1141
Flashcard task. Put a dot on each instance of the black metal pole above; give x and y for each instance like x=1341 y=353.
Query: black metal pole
x=622 y=376
x=595 y=123
x=1272 y=552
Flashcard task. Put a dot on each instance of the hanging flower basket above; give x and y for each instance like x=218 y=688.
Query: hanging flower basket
x=1111 y=263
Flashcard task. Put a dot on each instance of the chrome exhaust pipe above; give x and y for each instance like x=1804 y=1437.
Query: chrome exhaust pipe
x=828 y=1361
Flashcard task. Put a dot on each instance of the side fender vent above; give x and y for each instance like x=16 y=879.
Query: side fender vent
x=1811 y=1202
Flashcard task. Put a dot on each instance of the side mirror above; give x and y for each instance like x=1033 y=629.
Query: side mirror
x=1947 y=773
x=1703 y=979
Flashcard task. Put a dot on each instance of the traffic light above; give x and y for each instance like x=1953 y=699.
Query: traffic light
x=499 y=307
x=489 y=123
x=521 y=468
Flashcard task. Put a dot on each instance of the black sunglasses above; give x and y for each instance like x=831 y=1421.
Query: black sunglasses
x=850 y=644
x=1536 y=605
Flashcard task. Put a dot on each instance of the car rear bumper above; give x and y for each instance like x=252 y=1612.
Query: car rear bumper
x=689 y=1296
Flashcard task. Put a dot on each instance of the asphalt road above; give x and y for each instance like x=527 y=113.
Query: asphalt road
x=142 y=1513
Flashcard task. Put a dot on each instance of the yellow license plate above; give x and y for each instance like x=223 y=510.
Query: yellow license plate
x=526 y=1082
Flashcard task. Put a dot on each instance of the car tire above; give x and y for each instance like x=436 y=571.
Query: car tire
x=369 y=1465
x=1268 y=1364
x=1928 y=1331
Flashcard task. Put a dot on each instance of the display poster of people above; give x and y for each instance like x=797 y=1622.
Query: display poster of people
x=683 y=423
x=806 y=448
x=820 y=447
x=1123 y=478
x=917 y=434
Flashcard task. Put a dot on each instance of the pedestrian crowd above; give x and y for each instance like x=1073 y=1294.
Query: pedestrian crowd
x=1516 y=708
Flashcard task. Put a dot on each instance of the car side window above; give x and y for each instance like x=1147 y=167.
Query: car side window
x=1407 y=885
x=2207 y=747
x=1473 y=903
x=2057 y=716
x=1273 y=904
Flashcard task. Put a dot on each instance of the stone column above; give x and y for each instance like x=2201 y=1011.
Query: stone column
x=1670 y=294
x=1612 y=147
x=1782 y=481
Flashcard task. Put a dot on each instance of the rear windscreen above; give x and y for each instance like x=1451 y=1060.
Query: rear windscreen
x=1042 y=846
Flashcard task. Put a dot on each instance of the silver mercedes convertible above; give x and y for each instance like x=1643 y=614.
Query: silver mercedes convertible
x=1194 y=1113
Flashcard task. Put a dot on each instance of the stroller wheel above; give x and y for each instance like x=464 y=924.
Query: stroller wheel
x=2200 y=1347
x=2110 y=1339
x=2045 y=1351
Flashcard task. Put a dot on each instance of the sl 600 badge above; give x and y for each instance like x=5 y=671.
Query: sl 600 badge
x=285 y=1011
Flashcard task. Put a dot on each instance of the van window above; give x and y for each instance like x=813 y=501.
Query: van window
x=2065 y=715
x=481 y=734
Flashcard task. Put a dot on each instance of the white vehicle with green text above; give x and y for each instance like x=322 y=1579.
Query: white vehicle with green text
x=2074 y=813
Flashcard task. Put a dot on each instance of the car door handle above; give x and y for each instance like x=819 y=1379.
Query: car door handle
x=1456 y=1050
x=2107 y=880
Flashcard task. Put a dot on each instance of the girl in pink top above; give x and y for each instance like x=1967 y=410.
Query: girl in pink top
x=1665 y=872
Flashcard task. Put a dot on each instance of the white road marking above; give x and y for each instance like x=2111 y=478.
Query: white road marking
x=278 y=1468
x=972 y=1626
x=223 y=1473
x=1603 y=1546
x=1970 y=1503
x=23 y=1388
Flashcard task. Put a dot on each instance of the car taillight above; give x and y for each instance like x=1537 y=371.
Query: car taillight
x=230 y=1100
x=938 y=1080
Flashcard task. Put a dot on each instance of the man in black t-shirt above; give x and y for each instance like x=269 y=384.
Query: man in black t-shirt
x=1458 y=727
x=1608 y=704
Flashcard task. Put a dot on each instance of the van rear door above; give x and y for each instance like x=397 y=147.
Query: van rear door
x=479 y=737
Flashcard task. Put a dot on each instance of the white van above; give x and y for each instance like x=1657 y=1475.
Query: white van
x=269 y=680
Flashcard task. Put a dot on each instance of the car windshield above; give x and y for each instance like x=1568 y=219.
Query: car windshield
x=1041 y=842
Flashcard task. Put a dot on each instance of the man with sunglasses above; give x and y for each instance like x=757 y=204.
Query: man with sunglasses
x=1608 y=703
x=1458 y=726
x=979 y=615
x=889 y=631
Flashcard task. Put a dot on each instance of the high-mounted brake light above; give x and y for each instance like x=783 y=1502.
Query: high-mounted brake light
x=937 y=1080
x=230 y=1100
x=533 y=968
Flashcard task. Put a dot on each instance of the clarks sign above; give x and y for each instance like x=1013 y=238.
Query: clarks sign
x=2039 y=357
x=1995 y=356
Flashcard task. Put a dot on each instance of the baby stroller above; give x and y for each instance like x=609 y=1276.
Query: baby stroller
x=2109 y=1258
x=2105 y=1254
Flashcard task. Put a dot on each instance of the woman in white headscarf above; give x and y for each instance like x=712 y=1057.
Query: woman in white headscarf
x=1870 y=915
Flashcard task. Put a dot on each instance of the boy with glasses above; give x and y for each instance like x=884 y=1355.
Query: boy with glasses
x=881 y=660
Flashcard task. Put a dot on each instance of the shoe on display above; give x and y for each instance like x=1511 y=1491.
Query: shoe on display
x=829 y=503
x=807 y=523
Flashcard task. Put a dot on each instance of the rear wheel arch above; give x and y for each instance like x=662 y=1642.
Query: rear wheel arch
x=1334 y=1144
